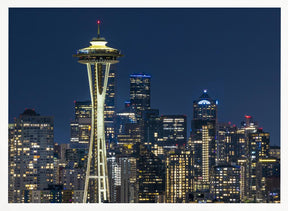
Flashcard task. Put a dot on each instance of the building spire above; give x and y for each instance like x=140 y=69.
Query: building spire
x=98 y=22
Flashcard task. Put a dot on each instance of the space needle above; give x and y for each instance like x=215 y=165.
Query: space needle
x=98 y=58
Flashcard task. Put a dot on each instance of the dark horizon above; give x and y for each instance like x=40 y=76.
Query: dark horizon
x=234 y=53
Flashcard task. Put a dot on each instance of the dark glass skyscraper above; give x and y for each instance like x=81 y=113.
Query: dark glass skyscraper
x=140 y=93
x=151 y=176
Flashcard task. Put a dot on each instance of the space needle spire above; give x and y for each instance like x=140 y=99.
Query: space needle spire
x=98 y=58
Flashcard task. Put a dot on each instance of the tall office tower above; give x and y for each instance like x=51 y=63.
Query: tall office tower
x=203 y=131
x=227 y=146
x=258 y=148
x=31 y=144
x=150 y=175
x=225 y=183
x=173 y=131
x=140 y=93
x=98 y=58
x=151 y=127
x=178 y=176
x=248 y=126
x=109 y=106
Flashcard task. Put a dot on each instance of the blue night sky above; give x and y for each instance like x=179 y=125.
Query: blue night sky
x=234 y=53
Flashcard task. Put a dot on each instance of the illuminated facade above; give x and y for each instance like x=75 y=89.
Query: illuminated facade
x=178 y=177
x=150 y=175
x=227 y=143
x=98 y=59
x=173 y=131
x=81 y=126
x=140 y=93
x=203 y=145
x=274 y=151
x=258 y=149
x=225 y=183
x=129 y=140
x=123 y=178
x=122 y=118
x=30 y=154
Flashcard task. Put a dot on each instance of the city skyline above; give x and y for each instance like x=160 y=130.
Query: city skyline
x=202 y=55
x=152 y=160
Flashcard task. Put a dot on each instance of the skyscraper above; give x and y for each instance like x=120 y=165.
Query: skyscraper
x=98 y=59
x=81 y=126
x=150 y=175
x=203 y=132
x=227 y=144
x=140 y=93
x=225 y=183
x=31 y=154
x=173 y=131
x=258 y=149
x=178 y=176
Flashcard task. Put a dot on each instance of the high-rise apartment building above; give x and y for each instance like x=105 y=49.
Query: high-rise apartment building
x=30 y=154
x=122 y=176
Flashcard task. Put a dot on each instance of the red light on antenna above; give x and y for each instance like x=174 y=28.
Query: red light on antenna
x=98 y=22
x=247 y=117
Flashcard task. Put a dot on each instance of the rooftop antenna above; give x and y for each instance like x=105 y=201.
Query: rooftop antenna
x=98 y=22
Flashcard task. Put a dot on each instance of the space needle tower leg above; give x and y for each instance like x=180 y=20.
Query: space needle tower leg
x=103 y=189
x=98 y=93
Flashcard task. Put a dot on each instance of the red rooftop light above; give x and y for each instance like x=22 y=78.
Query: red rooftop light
x=247 y=117
x=98 y=22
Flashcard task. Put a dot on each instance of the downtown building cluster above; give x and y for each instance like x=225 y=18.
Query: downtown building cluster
x=150 y=158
